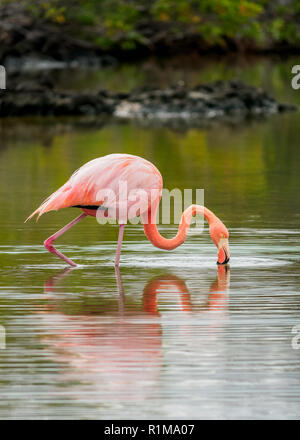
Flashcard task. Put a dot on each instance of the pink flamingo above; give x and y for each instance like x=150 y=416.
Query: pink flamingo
x=84 y=190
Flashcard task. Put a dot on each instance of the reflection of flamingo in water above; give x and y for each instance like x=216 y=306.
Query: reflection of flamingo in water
x=120 y=355
x=217 y=298
x=169 y=282
x=90 y=187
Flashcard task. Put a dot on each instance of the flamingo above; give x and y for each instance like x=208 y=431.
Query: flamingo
x=84 y=190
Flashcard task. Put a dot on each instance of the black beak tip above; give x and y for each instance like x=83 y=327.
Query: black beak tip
x=226 y=258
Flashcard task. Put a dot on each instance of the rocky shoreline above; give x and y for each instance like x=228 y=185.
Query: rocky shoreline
x=222 y=100
x=22 y=34
x=213 y=101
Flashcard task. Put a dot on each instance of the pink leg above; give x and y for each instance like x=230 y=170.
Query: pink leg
x=52 y=281
x=50 y=240
x=120 y=239
x=120 y=291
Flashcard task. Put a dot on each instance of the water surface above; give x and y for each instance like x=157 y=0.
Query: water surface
x=170 y=335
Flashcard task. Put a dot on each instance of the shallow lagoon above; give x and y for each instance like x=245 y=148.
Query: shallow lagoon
x=171 y=335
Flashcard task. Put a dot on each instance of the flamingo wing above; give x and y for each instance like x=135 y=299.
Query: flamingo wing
x=85 y=186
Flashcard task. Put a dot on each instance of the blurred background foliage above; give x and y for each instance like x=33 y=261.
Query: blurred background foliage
x=132 y=23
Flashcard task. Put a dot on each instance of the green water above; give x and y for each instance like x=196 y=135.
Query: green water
x=170 y=336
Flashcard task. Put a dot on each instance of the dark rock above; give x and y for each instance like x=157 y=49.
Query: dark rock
x=287 y=108
x=21 y=35
x=220 y=100
x=37 y=96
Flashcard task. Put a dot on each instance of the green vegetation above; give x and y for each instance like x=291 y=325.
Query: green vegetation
x=132 y=23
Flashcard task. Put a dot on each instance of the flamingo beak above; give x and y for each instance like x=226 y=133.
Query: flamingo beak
x=224 y=253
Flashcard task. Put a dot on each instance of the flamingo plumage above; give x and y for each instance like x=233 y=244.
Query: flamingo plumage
x=86 y=189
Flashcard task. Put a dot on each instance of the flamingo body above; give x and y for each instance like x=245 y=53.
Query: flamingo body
x=128 y=178
x=85 y=186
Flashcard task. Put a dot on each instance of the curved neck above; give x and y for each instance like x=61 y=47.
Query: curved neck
x=152 y=233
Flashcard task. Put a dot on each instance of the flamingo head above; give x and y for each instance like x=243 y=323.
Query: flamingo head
x=219 y=235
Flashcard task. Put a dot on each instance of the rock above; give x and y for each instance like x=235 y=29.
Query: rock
x=220 y=100
x=30 y=98
x=25 y=40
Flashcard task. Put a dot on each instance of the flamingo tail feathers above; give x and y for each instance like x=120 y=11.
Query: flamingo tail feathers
x=52 y=203
x=32 y=215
